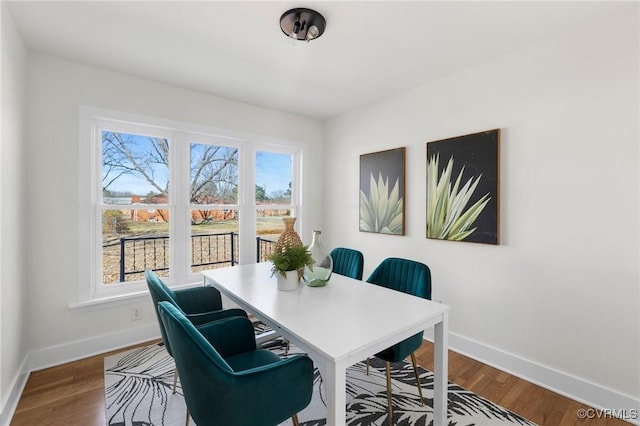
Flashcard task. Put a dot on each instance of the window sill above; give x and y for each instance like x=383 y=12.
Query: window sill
x=109 y=302
x=120 y=299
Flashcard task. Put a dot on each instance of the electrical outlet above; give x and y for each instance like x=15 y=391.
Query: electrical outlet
x=136 y=313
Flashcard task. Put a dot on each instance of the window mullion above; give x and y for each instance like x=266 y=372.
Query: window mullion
x=247 y=205
x=180 y=224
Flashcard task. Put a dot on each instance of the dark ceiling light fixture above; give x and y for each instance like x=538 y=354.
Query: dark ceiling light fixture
x=302 y=24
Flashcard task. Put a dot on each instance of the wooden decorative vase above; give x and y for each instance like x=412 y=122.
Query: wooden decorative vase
x=289 y=236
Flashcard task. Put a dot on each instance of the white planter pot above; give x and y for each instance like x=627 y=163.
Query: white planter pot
x=290 y=283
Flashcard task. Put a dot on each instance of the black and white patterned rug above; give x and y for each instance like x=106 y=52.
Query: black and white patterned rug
x=138 y=388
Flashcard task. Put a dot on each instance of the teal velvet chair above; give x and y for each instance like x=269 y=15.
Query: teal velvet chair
x=347 y=262
x=199 y=304
x=227 y=381
x=410 y=277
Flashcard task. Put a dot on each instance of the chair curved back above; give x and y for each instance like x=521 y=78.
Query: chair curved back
x=216 y=394
x=160 y=293
x=180 y=329
x=403 y=275
x=410 y=277
x=347 y=262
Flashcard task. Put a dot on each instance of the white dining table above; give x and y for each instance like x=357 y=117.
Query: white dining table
x=338 y=325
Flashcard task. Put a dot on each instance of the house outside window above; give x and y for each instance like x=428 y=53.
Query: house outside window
x=176 y=199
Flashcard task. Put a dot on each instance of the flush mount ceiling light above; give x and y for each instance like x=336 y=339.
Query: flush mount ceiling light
x=302 y=24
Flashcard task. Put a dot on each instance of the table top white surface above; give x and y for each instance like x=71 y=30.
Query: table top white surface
x=346 y=318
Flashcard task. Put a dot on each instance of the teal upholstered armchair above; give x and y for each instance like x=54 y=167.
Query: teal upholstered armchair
x=409 y=277
x=227 y=381
x=347 y=262
x=199 y=304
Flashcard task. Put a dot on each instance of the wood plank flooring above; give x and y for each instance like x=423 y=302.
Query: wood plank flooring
x=73 y=393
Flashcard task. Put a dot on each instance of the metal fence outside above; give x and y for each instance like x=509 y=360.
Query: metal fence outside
x=140 y=253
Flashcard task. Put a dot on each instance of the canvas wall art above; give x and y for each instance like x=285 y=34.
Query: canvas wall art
x=463 y=188
x=382 y=189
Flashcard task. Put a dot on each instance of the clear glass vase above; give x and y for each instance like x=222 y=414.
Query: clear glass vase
x=319 y=274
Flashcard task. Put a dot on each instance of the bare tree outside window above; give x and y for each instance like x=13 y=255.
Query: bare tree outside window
x=135 y=171
x=133 y=163
x=136 y=203
x=214 y=177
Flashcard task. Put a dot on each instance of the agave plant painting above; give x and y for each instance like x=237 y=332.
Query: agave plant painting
x=382 y=192
x=462 y=196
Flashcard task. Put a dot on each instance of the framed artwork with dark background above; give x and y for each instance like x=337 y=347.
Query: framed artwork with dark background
x=382 y=189
x=463 y=188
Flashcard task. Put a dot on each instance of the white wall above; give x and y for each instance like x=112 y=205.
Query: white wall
x=12 y=280
x=561 y=290
x=56 y=89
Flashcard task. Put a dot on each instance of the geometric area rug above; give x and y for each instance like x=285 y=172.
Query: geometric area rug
x=138 y=391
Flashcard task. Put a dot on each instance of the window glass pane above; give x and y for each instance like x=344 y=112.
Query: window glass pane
x=135 y=169
x=269 y=226
x=214 y=238
x=134 y=240
x=214 y=174
x=273 y=178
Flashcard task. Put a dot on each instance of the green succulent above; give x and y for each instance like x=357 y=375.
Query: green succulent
x=290 y=258
x=447 y=218
x=382 y=210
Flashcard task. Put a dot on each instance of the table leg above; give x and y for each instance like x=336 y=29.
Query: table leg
x=441 y=367
x=335 y=384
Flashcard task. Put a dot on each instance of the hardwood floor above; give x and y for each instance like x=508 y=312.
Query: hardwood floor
x=530 y=401
x=73 y=393
x=68 y=394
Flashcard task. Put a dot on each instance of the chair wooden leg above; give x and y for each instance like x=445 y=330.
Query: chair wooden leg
x=415 y=371
x=175 y=379
x=175 y=382
x=286 y=349
x=389 y=393
x=367 y=366
x=294 y=419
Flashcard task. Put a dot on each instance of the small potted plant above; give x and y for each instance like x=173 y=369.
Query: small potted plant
x=288 y=263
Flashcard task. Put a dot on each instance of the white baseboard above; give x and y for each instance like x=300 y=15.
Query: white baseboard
x=72 y=351
x=10 y=403
x=79 y=349
x=608 y=401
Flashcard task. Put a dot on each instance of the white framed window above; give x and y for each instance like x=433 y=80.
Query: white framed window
x=277 y=194
x=175 y=198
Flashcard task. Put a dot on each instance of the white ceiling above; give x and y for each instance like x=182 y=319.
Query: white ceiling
x=235 y=49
